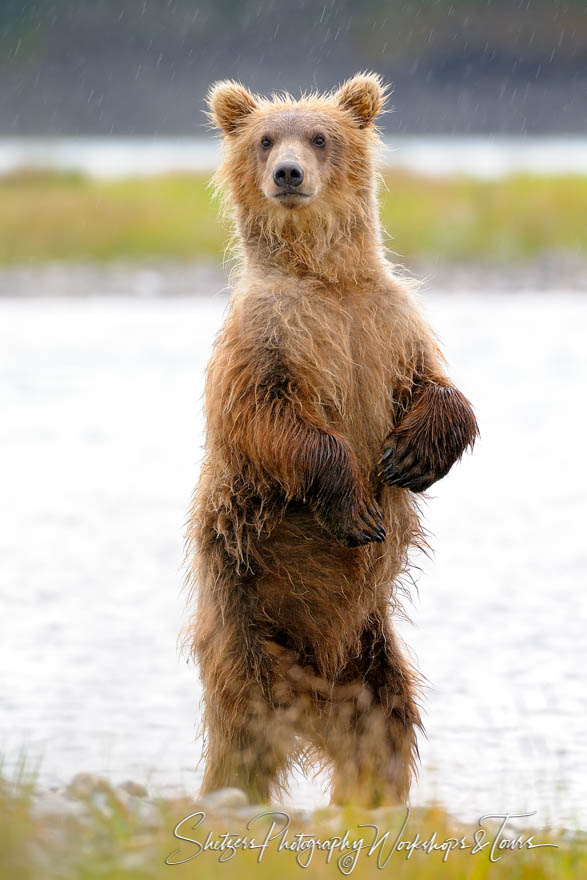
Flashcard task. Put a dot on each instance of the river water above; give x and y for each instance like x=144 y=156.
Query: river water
x=101 y=439
x=484 y=157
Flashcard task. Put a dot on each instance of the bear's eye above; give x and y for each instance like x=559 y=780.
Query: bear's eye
x=266 y=142
x=319 y=140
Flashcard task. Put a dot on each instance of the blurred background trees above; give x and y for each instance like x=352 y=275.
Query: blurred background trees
x=143 y=66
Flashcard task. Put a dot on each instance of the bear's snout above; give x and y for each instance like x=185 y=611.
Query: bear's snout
x=288 y=174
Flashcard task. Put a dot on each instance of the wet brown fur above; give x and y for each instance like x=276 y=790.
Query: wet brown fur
x=325 y=385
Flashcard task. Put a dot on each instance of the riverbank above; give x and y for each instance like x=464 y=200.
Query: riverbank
x=202 y=278
x=90 y=828
x=46 y=216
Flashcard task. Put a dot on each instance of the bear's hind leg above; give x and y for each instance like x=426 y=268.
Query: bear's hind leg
x=369 y=731
x=250 y=732
x=244 y=754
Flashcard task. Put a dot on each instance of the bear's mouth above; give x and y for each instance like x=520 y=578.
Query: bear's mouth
x=290 y=197
x=290 y=191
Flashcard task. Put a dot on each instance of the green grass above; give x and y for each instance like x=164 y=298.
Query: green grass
x=514 y=218
x=46 y=216
x=109 y=839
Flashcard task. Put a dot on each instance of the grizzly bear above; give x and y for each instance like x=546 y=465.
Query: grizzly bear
x=327 y=412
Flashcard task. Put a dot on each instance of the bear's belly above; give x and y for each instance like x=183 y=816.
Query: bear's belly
x=312 y=591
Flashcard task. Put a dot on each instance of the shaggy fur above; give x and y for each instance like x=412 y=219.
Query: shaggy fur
x=327 y=408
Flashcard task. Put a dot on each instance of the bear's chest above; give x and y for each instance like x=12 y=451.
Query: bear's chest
x=341 y=352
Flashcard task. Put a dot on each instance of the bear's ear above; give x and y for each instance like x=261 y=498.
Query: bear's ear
x=363 y=96
x=229 y=103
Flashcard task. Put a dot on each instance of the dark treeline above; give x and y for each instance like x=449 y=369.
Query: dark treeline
x=143 y=66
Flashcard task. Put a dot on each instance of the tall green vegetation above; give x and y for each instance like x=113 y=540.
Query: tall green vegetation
x=69 y=217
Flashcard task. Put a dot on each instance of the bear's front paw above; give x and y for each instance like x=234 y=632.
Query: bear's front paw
x=430 y=438
x=352 y=521
x=402 y=465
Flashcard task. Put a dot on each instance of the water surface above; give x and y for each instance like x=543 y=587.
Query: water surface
x=101 y=437
x=485 y=157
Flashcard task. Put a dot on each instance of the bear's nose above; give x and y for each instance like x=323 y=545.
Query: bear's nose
x=288 y=174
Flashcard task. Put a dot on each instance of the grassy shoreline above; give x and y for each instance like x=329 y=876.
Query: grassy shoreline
x=91 y=829
x=46 y=216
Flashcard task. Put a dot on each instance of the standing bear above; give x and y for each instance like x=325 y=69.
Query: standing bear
x=327 y=411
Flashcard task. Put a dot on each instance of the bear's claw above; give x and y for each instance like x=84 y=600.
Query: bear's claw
x=406 y=470
x=362 y=524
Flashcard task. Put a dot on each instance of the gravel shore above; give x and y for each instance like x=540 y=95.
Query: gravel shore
x=164 y=279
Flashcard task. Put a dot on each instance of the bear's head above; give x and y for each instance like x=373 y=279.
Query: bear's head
x=299 y=172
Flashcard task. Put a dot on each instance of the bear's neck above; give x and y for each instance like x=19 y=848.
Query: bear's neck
x=330 y=251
